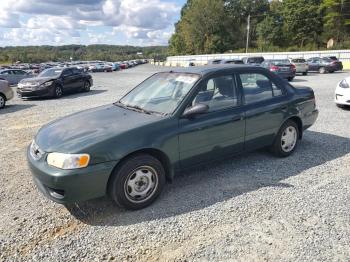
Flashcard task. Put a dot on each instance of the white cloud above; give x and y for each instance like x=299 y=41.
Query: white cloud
x=149 y=21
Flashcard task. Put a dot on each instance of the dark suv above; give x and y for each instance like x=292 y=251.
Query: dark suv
x=322 y=65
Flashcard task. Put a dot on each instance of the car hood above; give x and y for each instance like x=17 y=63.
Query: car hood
x=79 y=131
x=38 y=80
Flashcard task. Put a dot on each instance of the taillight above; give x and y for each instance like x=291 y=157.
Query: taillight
x=293 y=67
x=274 y=68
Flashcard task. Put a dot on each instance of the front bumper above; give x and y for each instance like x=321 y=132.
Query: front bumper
x=33 y=93
x=342 y=96
x=68 y=186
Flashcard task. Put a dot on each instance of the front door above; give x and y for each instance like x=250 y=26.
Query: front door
x=218 y=132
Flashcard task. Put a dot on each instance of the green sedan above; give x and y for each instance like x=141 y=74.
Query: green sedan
x=171 y=121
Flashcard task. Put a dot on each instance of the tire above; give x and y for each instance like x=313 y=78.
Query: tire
x=57 y=91
x=86 y=86
x=137 y=182
x=304 y=73
x=290 y=79
x=2 y=101
x=279 y=147
x=322 y=70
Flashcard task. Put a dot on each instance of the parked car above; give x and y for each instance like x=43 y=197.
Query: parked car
x=214 y=61
x=322 y=65
x=338 y=64
x=281 y=67
x=342 y=93
x=6 y=93
x=253 y=60
x=100 y=68
x=301 y=66
x=13 y=76
x=232 y=61
x=54 y=82
x=171 y=121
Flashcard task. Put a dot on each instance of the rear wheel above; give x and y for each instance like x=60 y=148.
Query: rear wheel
x=2 y=101
x=137 y=182
x=322 y=70
x=304 y=73
x=290 y=79
x=286 y=140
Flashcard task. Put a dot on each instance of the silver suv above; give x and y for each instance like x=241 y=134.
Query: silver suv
x=6 y=93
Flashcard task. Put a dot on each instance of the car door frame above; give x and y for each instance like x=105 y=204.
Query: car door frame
x=67 y=81
x=277 y=105
x=234 y=114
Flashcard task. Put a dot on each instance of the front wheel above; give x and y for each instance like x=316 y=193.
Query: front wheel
x=137 y=182
x=290 y=79
x=58 y=91
x=304 y=73
x=86 y=86
x=286 y=140
x=322 y=70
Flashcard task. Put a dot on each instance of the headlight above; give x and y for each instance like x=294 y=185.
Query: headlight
x=46 y=84
x=68 y=161
x=344 y=84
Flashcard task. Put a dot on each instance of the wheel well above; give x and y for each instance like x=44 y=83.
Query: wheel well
x=1 y=94
x=161 y=156
x=297 y=120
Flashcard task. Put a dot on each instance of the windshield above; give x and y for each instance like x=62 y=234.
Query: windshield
x=52 y=72
x=161 y=93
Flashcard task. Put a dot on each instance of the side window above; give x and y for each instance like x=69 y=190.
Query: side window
x=67 y=72
x=76 y=71
x=218 y=93
x=8 y=72
x=19 y=72
x=258 y=87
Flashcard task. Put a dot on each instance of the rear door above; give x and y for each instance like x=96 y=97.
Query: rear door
x=266 y=105
x=219 y=132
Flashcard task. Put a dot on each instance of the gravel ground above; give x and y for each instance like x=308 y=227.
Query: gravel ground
x=253 y=207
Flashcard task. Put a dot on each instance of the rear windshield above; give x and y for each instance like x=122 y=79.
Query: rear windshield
x=280 y=62
x=298 y=60
x=255 y=60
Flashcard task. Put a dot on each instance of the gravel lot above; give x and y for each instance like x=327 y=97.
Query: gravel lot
x=250 y=208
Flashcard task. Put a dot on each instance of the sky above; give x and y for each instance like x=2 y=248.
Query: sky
x=60 y=22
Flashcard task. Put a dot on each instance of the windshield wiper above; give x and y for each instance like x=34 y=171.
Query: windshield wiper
x=137 y=109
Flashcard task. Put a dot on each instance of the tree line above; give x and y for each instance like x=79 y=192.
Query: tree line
x=218 y=26
x=38 y=54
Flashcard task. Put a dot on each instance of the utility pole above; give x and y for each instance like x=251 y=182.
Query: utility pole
x=248 y=31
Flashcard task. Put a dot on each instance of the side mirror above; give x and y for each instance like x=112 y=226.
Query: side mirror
x=197 y=109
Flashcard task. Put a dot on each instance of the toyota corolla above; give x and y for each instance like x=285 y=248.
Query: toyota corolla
x=171 y=121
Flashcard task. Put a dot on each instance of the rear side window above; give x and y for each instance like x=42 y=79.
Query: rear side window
x=298 y=60
x=258 y=87
x=76 y=71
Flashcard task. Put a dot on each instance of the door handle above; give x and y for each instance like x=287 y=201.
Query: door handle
x=237 y=118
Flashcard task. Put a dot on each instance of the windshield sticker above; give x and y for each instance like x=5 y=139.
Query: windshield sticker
x=186 y=79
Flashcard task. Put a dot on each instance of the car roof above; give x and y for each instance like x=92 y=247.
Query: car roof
x=204 y=70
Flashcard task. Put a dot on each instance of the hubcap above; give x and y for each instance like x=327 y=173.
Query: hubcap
x=87 y=86
x=141 y=184
x=289 y=139
x=2 y=101
x=58 y=91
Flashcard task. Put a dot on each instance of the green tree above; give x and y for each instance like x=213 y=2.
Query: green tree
x=302 y=22
x=336 y=19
